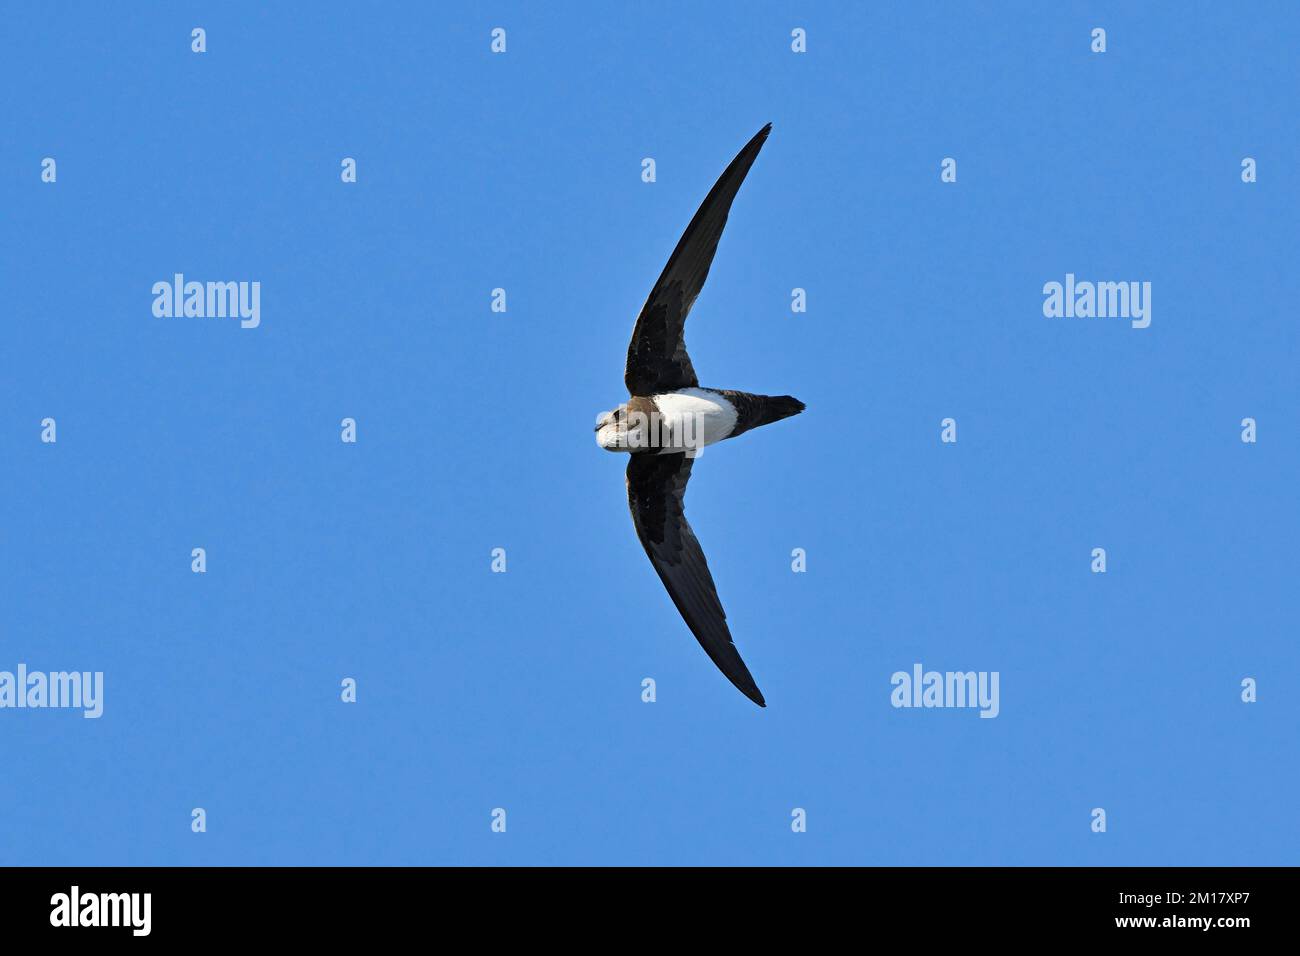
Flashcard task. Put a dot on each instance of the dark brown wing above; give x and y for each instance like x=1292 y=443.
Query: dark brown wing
x=656 y=357
x=656 y=486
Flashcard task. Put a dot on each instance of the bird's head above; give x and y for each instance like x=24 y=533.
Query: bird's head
x=618 y=430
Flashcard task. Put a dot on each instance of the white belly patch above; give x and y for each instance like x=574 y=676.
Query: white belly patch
x=692 y=418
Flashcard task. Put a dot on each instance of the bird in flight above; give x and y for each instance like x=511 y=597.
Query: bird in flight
x=669 y=419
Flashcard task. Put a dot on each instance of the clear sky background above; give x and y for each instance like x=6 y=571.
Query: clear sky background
x=523 y=690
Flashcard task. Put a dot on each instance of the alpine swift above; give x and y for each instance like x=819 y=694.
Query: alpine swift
x=669 y=418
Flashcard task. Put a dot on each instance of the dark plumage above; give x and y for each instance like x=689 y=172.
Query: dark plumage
x=656 y=356
x=656 y=489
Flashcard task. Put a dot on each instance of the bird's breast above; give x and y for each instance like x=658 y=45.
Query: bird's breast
x=694 y=417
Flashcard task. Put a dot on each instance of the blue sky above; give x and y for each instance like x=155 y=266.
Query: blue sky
x=522 y=690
